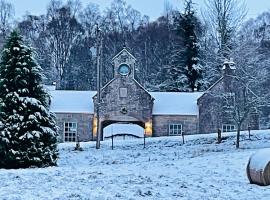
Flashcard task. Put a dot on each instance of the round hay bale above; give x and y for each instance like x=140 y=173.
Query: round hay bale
x=258 y=168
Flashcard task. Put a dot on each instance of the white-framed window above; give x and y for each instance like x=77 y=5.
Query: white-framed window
x=175 y=129
x=228 y=128
x=70 y=131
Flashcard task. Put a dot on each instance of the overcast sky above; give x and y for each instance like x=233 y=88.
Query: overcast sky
x=152 y=8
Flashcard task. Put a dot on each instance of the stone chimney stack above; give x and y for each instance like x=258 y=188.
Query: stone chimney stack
x=228 y=75
x=228 y=67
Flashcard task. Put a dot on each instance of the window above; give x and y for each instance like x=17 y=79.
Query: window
x=228 y=128
x=175 y=129
x=70 y=131
x=124 y=69
x=123 y=92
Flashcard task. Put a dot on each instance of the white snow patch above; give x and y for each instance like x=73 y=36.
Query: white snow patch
x=16 y=48
x=165 y=169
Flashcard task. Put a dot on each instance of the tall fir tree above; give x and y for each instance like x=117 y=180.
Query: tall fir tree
x=28 y=132
x=186 y=50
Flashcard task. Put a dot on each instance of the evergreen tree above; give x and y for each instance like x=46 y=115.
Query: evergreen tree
x=28 y=132
x=186 y=53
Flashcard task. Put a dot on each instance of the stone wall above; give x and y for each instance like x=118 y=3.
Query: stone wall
x=216 y=106
x=123 y=99
x=210 y=110
x=161 y=124
x=135 y=104
x=84 y=124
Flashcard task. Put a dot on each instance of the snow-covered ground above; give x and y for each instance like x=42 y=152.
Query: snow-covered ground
x=165 y=169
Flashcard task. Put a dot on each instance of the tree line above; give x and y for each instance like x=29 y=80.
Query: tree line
x=182 y=50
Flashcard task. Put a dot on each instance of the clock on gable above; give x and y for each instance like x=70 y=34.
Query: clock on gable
x=124 y=64
x=124 y=69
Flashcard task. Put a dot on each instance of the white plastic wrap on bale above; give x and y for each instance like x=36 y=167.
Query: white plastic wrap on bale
x=260 y=159
x=258 y=168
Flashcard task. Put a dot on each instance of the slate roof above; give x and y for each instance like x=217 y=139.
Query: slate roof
x=166 y=103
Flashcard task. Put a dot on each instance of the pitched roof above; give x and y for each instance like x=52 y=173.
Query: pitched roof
x=166 y=103
x=210 y=88
x=67 y=101
x=175 y=103
x=124 y=50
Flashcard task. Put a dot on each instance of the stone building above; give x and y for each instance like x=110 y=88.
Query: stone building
x=125 y=101
x=225 y=104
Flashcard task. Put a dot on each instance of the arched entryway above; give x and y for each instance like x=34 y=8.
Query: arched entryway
x=123 y=99
x=145 y=128
x=122 y=123
x=123 y=131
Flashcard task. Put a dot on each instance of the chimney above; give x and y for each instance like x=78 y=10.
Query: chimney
x=228 y=75
x=228 y=67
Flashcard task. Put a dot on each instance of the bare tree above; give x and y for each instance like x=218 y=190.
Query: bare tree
x=224 y=18
x=242 y=107
x=168 y=8
x=238 y=103
x=61 y=42
x=119 y=9
x=53 y=7
x=145 y=21
x=133 y=17
x=31 y=27
x=253 y=68
x=75 y=7
x=89 y=17
x=7 y=13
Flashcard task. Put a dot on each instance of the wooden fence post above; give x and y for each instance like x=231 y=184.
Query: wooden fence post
x=183 y=137
x=249 y=131
x=112 y=142
x=219 y=136
x=144 y=141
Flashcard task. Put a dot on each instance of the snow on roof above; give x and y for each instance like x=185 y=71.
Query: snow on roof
x=166 y=103
x=67 y=101
x=50 y=87
x=260 y=159
x=175 y=103
x=229 y=63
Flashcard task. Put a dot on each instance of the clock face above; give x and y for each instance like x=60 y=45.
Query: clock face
x=124 y=69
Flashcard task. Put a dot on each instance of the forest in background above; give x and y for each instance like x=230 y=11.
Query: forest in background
x=182 y=50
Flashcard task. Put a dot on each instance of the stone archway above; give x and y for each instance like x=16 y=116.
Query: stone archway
x=123 y=99
x=106 y=123
x=120 y=119
x=123 y=130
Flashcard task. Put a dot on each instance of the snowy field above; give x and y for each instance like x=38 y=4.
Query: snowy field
x=166 y=169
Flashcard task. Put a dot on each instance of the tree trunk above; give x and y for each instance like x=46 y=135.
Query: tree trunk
x=59 y=81
x=219 y=136
x=238 y=137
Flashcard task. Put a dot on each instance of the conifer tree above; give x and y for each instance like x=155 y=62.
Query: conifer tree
x=28 y=132
x=186 y=53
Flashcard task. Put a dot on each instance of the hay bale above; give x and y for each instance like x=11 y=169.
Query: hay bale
x=258 y=168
